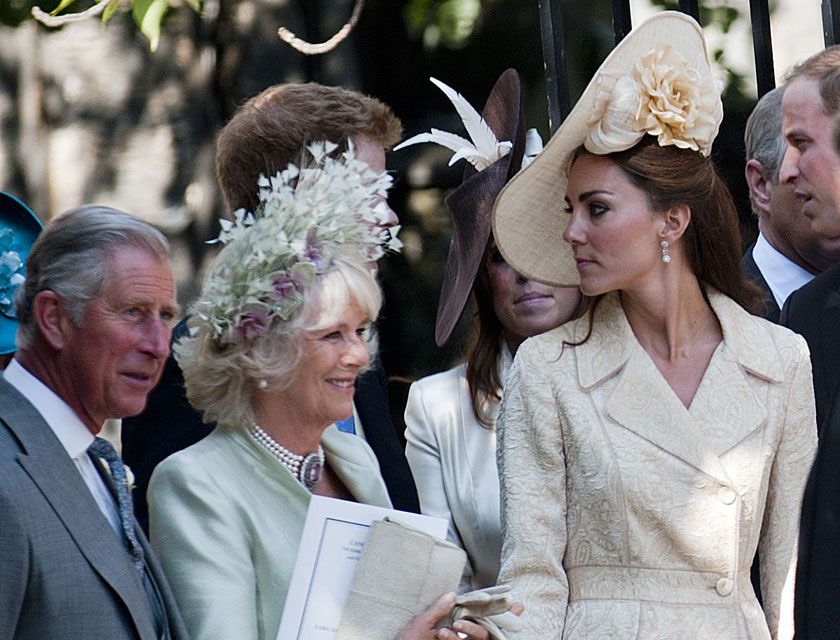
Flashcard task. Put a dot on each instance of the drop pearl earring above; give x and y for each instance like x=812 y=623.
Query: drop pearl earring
x=666 y=256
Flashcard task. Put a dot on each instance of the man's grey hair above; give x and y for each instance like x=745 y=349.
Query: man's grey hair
x=764 y=140
x=763 y=137
x=71 y=257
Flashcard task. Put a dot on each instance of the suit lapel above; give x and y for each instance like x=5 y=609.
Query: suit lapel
x=56 y=476
x=829 y=350
x=371 y=402
x=725 y=407
x=355 y=466
x=771 y=309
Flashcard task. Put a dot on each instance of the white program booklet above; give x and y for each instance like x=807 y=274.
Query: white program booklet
x=334 y=535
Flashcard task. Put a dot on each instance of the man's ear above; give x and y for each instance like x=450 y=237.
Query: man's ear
x=51 y=318
x=675 y=222
x=757 y=182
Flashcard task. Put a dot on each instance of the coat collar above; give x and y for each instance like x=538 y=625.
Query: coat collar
x=348 y=455
x=612 y=340
x=355 y=464
x=725 y=409
x=47 y=464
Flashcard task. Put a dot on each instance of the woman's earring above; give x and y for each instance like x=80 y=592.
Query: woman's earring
x=666 y=255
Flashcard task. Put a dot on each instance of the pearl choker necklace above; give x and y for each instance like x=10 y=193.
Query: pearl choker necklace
x=306 y=469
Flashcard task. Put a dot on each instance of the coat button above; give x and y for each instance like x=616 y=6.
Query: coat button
x=724 y=587
x=727 y=495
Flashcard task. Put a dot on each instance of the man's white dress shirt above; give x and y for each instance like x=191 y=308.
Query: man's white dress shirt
x=71 y=432
x=783 y=276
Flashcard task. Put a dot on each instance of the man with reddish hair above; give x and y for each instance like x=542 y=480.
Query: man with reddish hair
x=812 y=166
x=269 y=132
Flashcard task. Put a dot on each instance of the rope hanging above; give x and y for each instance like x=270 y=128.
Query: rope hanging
x=56 y=21
x=328 y=45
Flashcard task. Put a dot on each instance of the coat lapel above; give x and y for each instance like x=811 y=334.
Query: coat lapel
x=56 y=476
x=644 y=403
x=355 y=464
x=725 y=409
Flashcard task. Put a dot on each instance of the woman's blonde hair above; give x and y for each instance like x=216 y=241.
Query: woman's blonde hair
x=222 y=378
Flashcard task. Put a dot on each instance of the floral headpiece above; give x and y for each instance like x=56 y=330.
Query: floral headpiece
x=306 y=217
x=663 y=97
x=11 y=272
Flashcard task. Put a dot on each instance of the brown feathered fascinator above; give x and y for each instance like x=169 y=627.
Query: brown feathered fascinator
x=495 y=152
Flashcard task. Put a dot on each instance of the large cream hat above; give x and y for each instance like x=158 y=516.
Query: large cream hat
x=657 y=81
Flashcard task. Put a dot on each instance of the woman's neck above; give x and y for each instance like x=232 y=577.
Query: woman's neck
x=671 y=318
x=282 y=422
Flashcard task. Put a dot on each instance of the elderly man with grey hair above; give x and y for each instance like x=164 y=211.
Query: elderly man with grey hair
x=787 y=253
x=95 y=317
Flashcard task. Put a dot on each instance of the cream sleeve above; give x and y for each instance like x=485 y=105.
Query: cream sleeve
x=533 y=483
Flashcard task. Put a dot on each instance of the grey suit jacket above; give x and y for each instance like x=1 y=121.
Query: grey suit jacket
x=64 y=572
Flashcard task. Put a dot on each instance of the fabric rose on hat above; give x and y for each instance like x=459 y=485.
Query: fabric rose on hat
x=663 y=98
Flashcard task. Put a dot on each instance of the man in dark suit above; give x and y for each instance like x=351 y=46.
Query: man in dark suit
x=268 y=133
x=95 y=319
x=812 y=166
x=787 y=253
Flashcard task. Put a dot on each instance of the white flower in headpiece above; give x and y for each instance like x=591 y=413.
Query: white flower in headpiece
x=663 y=98
x=306 y=217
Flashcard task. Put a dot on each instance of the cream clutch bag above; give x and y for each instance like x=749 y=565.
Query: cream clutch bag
x=401 y=572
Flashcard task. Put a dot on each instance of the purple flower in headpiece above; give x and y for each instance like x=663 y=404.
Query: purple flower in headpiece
x=284 y=286
x=251 y=324
x=313 y=254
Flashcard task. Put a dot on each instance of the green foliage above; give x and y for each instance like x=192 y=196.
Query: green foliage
x=449 y=23
x=113 y=5
x=148 y=15
x=61 y=7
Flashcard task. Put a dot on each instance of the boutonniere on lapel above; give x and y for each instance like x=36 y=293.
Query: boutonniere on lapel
x=130 y=484
x=129 y=478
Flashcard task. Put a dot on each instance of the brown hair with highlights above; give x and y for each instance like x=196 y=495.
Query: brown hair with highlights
x=670 y=176
x=483 y=379
x=824 y=67
x=271 y=130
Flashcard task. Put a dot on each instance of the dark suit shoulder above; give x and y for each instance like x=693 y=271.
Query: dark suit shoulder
x=168 y=424
x=371 y=401
x=771 y=310
x=798 y=313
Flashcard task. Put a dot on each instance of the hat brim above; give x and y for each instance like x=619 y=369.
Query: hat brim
x=471 y=204
x=26 y=226
x=529 y=215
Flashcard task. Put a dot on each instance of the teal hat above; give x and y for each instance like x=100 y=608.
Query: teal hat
x=19 y=227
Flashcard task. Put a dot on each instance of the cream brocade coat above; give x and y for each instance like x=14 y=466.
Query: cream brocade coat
x=628 y=515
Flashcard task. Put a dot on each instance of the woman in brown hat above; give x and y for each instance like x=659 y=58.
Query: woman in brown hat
x=450 y=417
x=649 y=448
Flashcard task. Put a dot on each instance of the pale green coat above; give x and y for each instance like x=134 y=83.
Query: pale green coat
x=226 y=518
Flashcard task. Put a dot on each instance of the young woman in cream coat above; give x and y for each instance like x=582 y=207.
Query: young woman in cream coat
x=650 y=447
x=450 y=417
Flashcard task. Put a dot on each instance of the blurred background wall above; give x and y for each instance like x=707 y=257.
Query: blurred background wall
x=89 y=114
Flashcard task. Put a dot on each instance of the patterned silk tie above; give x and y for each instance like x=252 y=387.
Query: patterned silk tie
x=103 y=449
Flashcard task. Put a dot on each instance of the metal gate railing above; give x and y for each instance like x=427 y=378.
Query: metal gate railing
x=554 y=51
